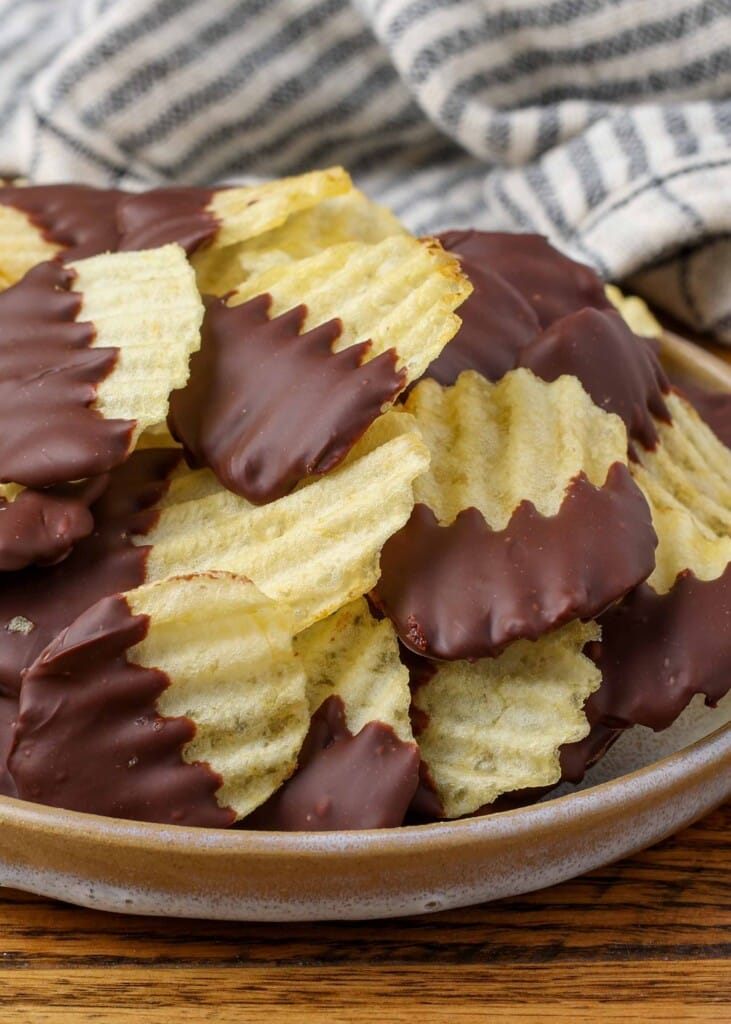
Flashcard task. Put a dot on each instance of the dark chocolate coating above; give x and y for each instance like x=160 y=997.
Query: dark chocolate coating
x=89 y=736
x=80 y=218
x=8 y=714
x=266 y=406
x=714 y=407
x=552 y=284
x=48 y=381
x=497 y=324
x=343 y=781
x=659 y=650
x=105 y=562
x=577 y=758
x=465 y=591
x=41 y=527
x=619 y=370
x=164 y=215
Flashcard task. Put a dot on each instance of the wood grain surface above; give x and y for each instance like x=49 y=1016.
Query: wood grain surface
x=645 y=940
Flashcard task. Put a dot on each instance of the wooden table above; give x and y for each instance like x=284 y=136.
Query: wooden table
x=646 y=940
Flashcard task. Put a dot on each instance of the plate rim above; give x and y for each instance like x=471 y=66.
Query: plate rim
x=443 y=834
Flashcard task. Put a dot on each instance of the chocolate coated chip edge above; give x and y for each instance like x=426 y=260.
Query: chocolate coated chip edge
x=266 y=406
x=465 y=591
x=89 y=737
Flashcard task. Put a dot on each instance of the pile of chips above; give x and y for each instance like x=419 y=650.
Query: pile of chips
x=308 y=524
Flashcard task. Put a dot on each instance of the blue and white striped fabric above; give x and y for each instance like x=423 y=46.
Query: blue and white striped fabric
x=605 y=124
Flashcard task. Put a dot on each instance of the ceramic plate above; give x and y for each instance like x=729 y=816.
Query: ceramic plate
x=647 y=787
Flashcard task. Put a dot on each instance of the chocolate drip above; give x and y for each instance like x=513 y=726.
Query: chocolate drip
x=267 y=406
x=36 y=604
x=659 y=650
x=497 y=324
x=41 y=527
x=48 y=380
x=79 y=218
x=343 y=781
x=165 y=215
x=619 y=370
x=89 y=736
x=466 y=591
x=551 y=283
x=714 y=407
x=8 y=714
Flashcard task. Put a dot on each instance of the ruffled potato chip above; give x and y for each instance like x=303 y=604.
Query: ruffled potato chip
x=22 y=245
x=496 y=725
x=351 y=217
x=359 y=765
x=687 y=482
x=398 y=293
x=315 y=549
x=353 y=656
x=527 y=518
x=184 y=698
x=146 y=305
x=635 y=312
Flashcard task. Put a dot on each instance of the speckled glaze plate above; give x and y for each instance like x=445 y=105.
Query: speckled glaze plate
x=647 y=787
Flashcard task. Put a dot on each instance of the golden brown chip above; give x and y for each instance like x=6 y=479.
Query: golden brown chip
x=350 y=217
x=145 y=304
x=635 y=312
x=353 y=656
x=251 y=210
x=227 y=650
x=527 y=518
x=687 y=482
x=315 y=549
x=496 y=725
x=522 y=439
x=398 y=293
x=179 y=702
x=22 y=245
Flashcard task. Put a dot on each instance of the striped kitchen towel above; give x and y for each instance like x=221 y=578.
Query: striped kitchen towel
x=604 y=124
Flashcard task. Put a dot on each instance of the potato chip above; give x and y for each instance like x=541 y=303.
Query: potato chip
x=496 y=725
x=659 y=650
x=398 y=293
x=634 y=312
x=268 y=405
x=354 y=656
x=37 y=603
x=251 y=210
x=42 y=222
x=88 y=356
x=527 y=518
x=210 y=218
x=359 y=765
x=184 y=697
x=146 y=305
x=228 y=652
x=247 y=411
x=495 y=445
x=551 y=283
x=619 y=370
x=351 y=217
x=315 y=549
x=687 y=482
x=22 y=245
